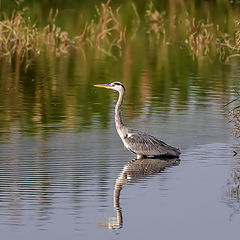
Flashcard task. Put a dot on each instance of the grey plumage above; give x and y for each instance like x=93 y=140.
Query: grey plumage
x=145 y=144
x=136 y=141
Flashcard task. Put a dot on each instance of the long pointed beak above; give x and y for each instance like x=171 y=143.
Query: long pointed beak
x=102 y=85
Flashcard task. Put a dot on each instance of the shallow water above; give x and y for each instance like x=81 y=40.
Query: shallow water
x=62 y=180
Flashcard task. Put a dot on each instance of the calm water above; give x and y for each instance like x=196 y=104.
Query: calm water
x=75 y=180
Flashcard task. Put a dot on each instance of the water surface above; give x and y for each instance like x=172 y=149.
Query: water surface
x=59 y=179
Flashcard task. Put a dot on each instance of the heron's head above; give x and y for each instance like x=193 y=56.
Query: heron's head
x=117 y=86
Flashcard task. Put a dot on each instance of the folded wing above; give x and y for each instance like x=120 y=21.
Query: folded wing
x=144 y=144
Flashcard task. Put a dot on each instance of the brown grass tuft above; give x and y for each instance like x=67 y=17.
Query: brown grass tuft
x=18 y=37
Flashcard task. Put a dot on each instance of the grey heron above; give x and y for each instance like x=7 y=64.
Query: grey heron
x=142 y=144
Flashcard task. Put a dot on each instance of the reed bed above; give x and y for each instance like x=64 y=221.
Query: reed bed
x=18 y=38
x=53 y=37
x=106 y=34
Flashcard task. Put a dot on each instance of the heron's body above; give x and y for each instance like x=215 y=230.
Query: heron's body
x=136 y=141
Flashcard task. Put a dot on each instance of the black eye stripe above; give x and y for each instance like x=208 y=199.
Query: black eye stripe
x=118 y=84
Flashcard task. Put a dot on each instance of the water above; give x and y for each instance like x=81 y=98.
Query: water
x=59 y=180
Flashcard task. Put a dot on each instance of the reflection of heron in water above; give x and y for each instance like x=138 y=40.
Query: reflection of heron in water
x=132 y=171
x=135 y=141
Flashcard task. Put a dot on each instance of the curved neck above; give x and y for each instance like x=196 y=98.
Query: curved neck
x=118 y=118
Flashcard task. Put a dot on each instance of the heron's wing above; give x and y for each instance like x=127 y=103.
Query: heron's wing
x=142 y=143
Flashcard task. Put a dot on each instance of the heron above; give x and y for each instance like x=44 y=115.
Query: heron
x=137 y=142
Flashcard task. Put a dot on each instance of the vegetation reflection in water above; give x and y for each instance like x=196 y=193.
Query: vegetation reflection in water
x=162 y=45
x=132 y=172
x=59 y=95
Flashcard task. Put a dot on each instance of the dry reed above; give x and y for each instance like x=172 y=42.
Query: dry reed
x=18 y=37
x=105 y=32
x=200 y=36
x=155 y=22
x=53 y=37
x=21 y=39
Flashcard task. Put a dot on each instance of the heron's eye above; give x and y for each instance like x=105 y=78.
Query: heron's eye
x=112 y=84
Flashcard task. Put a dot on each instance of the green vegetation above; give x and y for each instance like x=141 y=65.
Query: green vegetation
x=112 y=29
